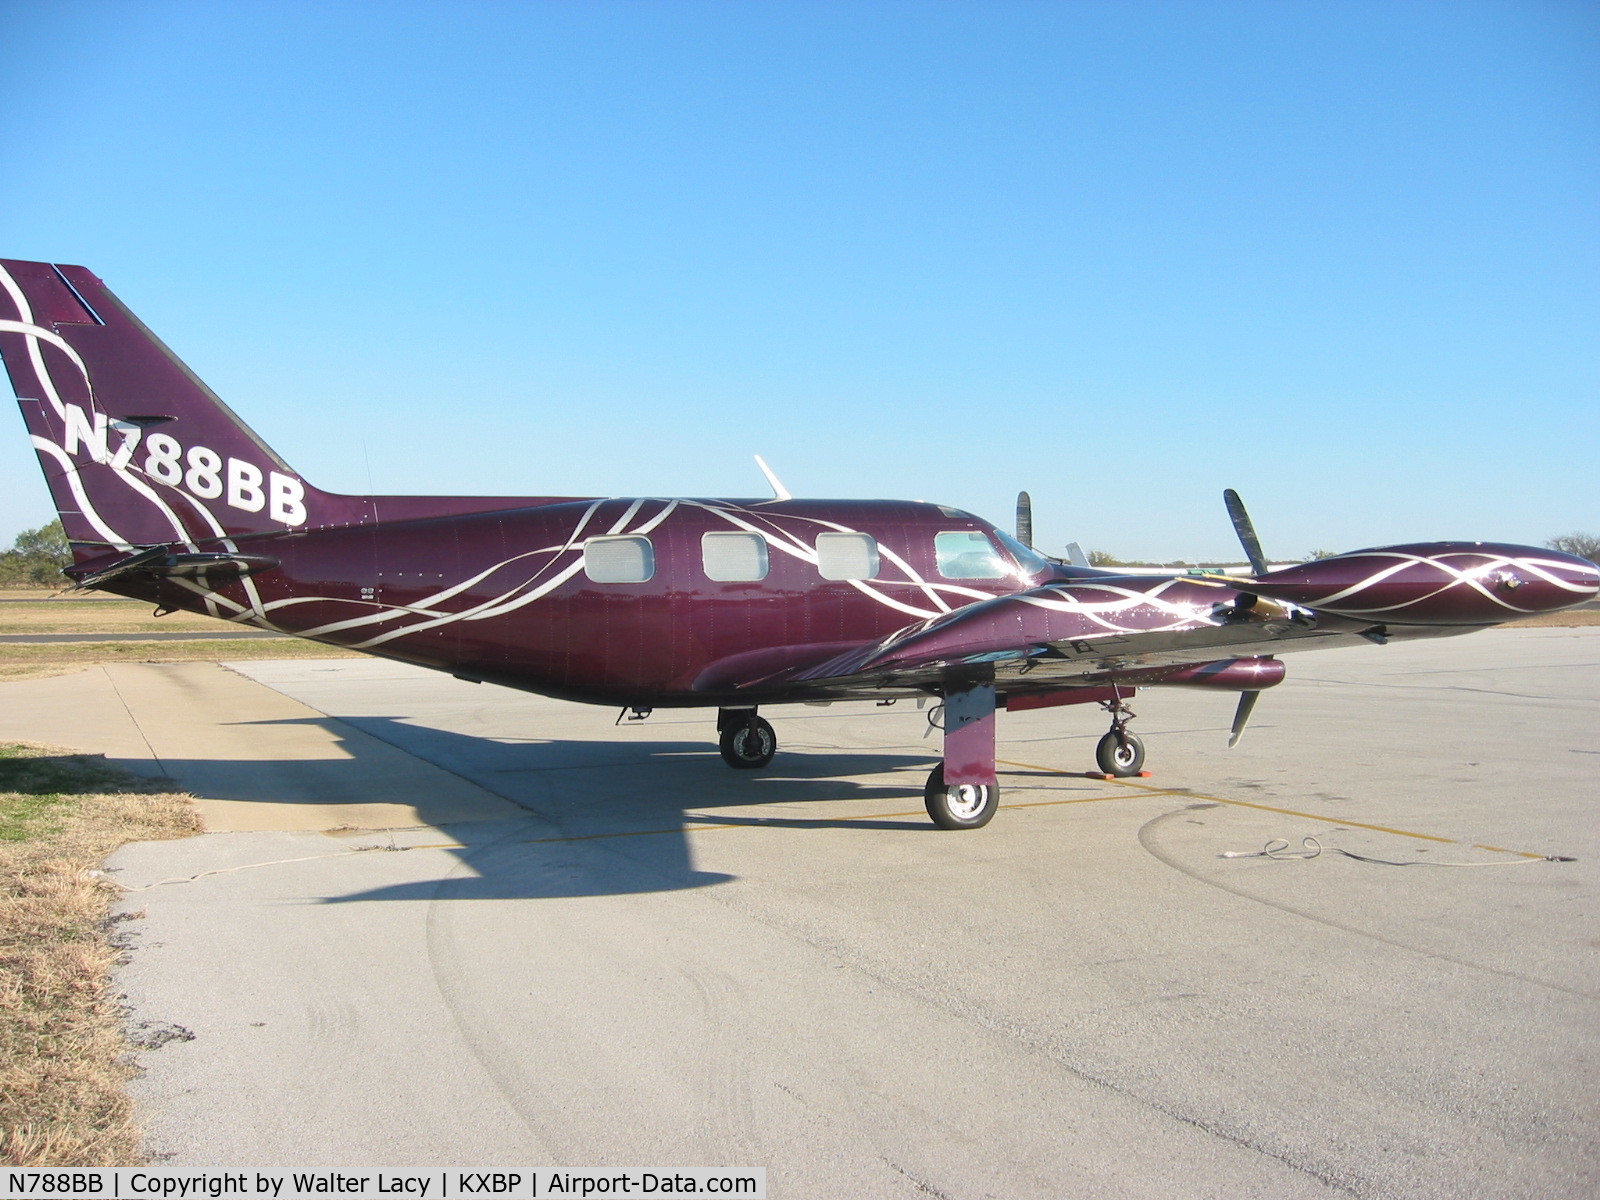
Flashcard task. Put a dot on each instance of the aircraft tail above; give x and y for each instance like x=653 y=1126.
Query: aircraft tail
x=137 y=451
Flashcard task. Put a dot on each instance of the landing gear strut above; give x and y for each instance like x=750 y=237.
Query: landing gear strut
x=746 y=741
x=962 y=792
x=1119 y=753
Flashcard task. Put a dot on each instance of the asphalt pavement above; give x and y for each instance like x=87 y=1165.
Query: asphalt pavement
x=452 y=924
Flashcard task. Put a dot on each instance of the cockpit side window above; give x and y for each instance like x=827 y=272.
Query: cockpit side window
x=967 y=555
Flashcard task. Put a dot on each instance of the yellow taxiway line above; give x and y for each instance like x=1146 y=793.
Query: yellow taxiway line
x=1155 y=790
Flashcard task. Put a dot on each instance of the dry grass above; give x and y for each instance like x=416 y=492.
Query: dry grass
x=85 y=614
x=64 y=1058
x=97 y=616
x=1561 y=620
x=38 y=661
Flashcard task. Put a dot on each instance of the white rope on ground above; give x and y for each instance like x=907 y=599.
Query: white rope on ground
x=1278 y=848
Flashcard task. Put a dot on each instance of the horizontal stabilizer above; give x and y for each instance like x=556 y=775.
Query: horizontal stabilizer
x=160 y=562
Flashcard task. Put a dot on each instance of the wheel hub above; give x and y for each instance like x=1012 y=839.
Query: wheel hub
x=966 y=801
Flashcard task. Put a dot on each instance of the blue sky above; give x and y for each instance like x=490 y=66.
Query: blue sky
x=1344 y=257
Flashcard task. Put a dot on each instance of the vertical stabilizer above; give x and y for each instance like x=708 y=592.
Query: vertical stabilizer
x=136 y=450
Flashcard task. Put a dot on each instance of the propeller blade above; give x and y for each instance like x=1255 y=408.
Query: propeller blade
x=1025 y=519
x=1241 y=716
x=1246 y=532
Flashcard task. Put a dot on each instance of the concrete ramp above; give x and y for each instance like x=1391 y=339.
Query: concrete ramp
x=254 y=759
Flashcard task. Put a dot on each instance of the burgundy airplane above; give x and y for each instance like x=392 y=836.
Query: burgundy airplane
x=166 y=496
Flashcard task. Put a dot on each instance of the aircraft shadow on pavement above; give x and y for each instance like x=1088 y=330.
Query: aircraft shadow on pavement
x=604 y=817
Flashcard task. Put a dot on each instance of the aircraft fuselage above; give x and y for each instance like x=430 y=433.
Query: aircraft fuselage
x=508 y=597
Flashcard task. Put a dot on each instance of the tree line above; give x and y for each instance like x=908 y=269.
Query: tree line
x=1584 y=545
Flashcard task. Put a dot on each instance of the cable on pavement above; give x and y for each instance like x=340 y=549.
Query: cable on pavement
x=1278 y=848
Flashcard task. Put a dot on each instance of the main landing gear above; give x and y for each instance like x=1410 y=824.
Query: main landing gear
x=746 y=741
x=963 y=792
x=1119 y=753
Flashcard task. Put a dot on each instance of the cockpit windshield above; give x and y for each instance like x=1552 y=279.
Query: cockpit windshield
x=1030 y=560
x=967 y=554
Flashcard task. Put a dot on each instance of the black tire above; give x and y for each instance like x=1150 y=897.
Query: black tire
x=748 y=747
x=971 y=806
x=1120 y=757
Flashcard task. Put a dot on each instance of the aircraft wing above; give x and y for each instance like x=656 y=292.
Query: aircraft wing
x=1082 y=633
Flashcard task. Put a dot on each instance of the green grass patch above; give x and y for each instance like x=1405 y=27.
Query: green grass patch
x=36 y=792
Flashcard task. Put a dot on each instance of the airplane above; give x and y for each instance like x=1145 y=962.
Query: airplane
x=645 y=602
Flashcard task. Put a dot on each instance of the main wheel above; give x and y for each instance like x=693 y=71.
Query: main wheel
x=750 y=746
x=968 y=806
x=1120 y=757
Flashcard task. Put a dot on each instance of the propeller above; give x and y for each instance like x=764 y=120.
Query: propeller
x=1246 y=531
x=1245 y=528
x=1241 y=715
x=1075 y=554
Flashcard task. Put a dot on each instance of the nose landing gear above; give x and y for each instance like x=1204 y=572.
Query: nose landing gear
x=1120 y=753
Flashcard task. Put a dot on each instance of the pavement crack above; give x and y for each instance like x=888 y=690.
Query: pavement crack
x=922 y=1185
x=152 y=1035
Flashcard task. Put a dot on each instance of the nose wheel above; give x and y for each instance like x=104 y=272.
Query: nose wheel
x=1120 y=753
x=746 y=741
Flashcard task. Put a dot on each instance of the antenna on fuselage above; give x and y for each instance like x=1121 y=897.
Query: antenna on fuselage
x=779 y=492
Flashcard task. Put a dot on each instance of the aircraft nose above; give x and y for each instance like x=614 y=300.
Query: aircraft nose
x=1544 y=581
x=1579 y=574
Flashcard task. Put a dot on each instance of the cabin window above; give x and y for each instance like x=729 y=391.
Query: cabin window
x=967 y=555
x=847 y=555
x=734 y=557
x=619 y=559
